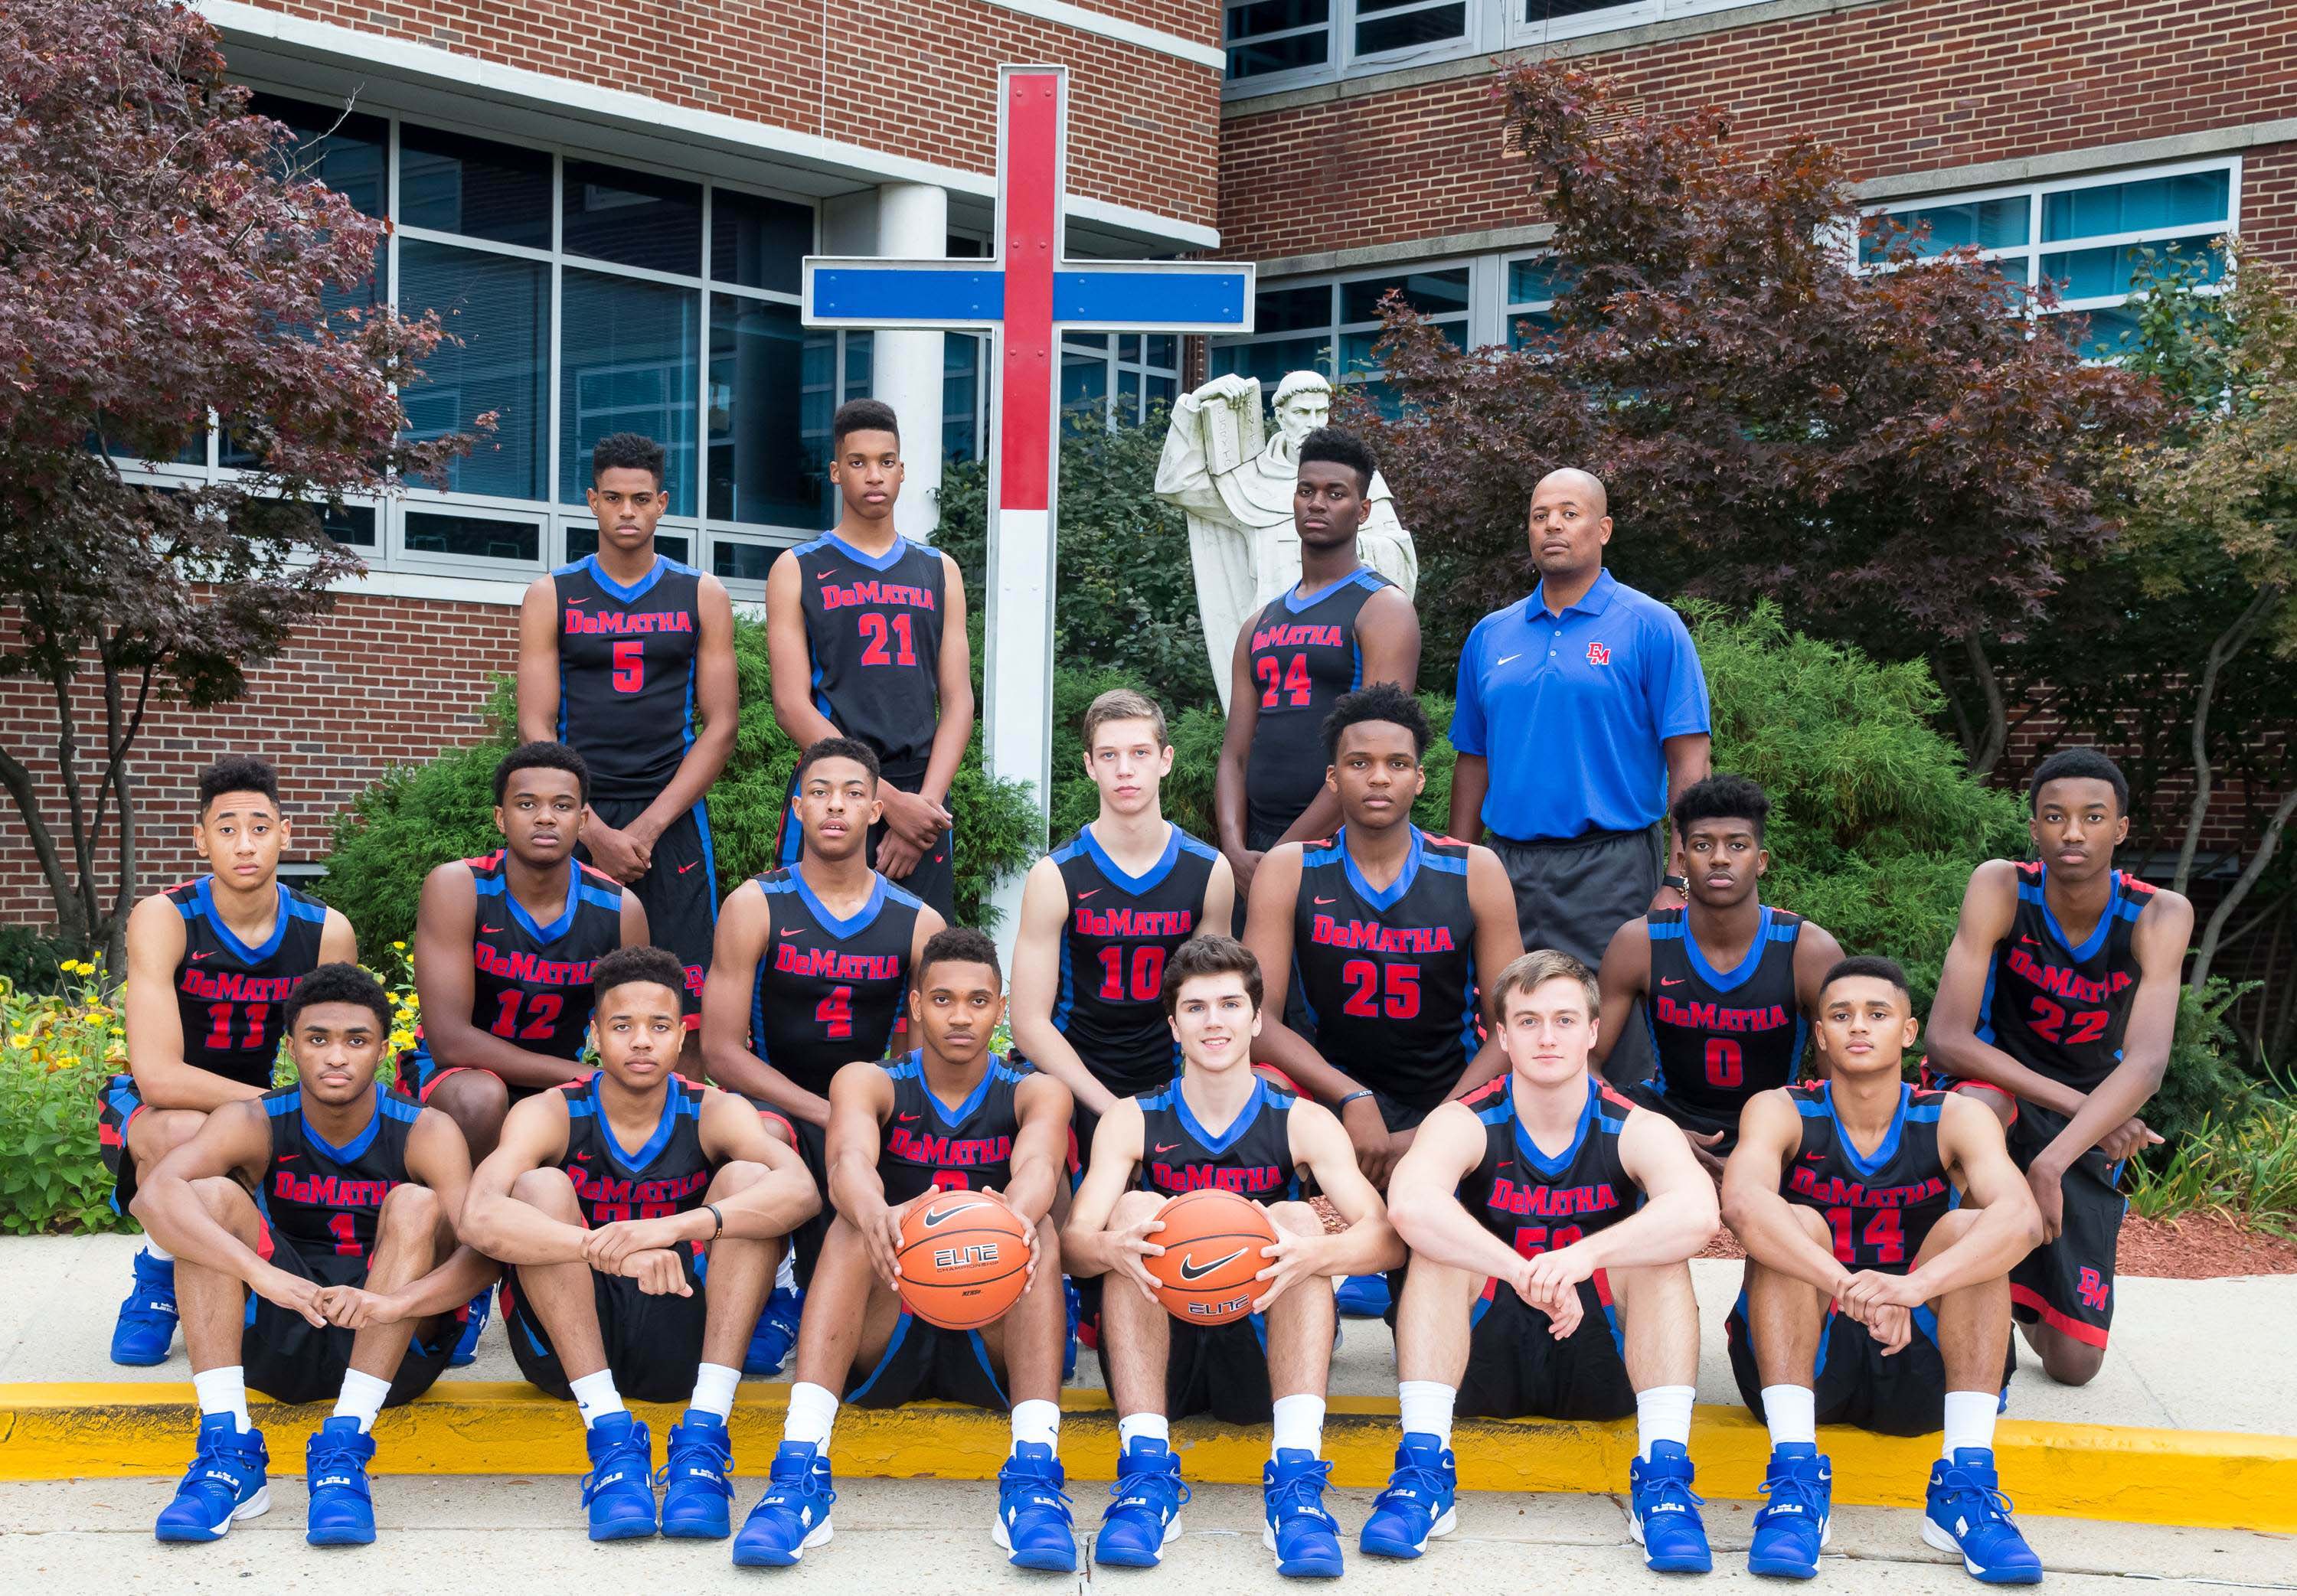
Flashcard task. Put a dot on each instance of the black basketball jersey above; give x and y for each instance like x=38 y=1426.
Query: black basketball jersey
x=964 y=1148
x=2058 y=1009
x=232 y=998
x=530 y=983
x=829 y=992
x=873 y=627
x=1537 y=1203
x=1723 y=1035
x=626 y=673
x=327 y=1200
x=1121 y=929
x=1305 y=653
x=1390 y=976
x=668 y=1175
x=1251 y=1156
x=1880 y=1209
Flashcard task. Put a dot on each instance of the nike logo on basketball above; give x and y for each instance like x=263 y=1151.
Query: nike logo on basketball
x=1504 y=658
x=935 y=1220
x=1190 y=1270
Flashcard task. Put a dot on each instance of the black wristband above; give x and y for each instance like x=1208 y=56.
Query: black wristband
x=1364 y=1091
x=1678 y=882
x=719 y=1218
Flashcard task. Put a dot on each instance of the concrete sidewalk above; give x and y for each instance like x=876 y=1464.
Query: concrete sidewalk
x=2186 y=1354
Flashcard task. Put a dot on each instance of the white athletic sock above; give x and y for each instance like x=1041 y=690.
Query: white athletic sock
x=786 y=1277
x=1663 y=1413
x=152 y=1247
x=596 y=1396
x=1792 y=1413
x=812 y=1414
x=1299 y=1426
x=1142 y=1426
x=361 y=1398
x=1037 y=1420
x=1426 y=1407
x=713 y=1390
x=1969 y=1421
x=224 y=1391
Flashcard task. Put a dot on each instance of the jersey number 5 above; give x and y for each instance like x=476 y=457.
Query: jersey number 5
x=629 y=665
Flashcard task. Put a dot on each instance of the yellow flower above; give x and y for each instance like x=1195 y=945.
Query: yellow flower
x=92 y=1013
x=398 y=947
x=19 y=1041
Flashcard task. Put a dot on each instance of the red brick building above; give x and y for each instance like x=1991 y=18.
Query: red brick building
x=609 y=200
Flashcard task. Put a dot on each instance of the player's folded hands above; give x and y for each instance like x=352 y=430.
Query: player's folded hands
x=606 y=1248
x=354 y=1309
x=1870 y=1291
x=658 y=1273
x=292 y=1292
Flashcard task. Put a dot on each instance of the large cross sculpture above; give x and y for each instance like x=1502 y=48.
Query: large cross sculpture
x=1024 y=296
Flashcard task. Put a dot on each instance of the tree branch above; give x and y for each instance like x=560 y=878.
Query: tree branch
x=18 y=780
x=2235 y=639
x=2257 y=861
x=1997 y=714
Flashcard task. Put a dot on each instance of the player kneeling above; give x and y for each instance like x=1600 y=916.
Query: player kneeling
x=334 y=1201
x=1221 y=1126
x=950 y=1116
x=1551 y=1224
x=1875 y=1297
x=605 y=1196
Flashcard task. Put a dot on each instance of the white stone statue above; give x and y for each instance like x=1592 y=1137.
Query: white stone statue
x=1238 y=488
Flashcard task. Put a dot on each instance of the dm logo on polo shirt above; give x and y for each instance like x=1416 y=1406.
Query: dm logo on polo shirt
x=1598 y=654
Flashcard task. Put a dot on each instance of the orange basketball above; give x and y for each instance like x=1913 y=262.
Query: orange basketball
x=965 y=1258
x=1212 y=1241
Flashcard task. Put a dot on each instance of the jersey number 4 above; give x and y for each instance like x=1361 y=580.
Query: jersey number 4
x=1275 y=677
x=834 y=1013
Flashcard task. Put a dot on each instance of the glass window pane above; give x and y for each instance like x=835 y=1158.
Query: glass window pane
x=2102 y=334
x=458 y=184
x=960 y=395
x=635 y=218
x=583 y=540
x=351 y=526
x=347 y=151
x=741 y=562
x=759 y=243
x=473 y=537
x=857 y=350
x=1998 y=223
x=1157 y=395
x=1551 y=10
x=1084 y=385
x=626 y=364
x=1291 y=309
x=1164 y=351
x=1285 y=55
x=1534 y=281
x=1256 y=17
x=1128 y=348
x=2188 y=200
x=759 y=470
x=2086 y=273
x=1430 y=26
x=500 y=306
x=1431 y=293
x=1271 y=360
x=1128 y=397
x=1355 y=347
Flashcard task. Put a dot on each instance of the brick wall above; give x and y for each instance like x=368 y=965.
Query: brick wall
x=915 y=78
x=1903 y=88
x=348 y=699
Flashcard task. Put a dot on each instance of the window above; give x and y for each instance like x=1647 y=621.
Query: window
x=497 y=308
x=633 y=218
x=1331 y=326
x=2085 y=235
x=1533 y=282
x=626 y=364
x=1265 y=37
x=1383 y=27
x=473 y=537
x=757 y=367
x=454 y=184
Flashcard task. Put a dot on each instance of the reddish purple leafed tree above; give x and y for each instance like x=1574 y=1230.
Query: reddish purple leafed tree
x=163 y=261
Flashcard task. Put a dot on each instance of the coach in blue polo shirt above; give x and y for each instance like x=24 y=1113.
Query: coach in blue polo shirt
x=1582 y=712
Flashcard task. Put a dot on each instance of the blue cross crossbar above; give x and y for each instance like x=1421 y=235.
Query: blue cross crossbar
x=1165 y=296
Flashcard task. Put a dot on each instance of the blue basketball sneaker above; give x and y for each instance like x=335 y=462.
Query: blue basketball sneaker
x=618 y=1493
x=1797 y=1518
x=1417 y=1505
x=1146 y=1514
x=334 y=1466
x=146 y=1326
x=793 y=1515
x=1663 y=1512
x=1306 y=1539
x=1033 y=1511
x=1362 y=1296
x=474 y=1325
x=1967 y=1513
x=1073 y=1306
x=775 y=1335
x=698 y=1483
x=225 y=1484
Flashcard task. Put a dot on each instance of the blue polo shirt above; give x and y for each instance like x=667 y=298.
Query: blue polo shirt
x=1569 y=711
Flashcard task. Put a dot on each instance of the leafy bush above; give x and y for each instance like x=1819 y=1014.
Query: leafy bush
x=2244 y=1165
x=33 y=960
x=57 y=1048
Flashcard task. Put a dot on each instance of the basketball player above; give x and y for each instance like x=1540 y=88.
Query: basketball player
x=505 y=948
x=618 y=653
x=951 y=1116
x=603 y=1196
x=1383 y=929
x=866 y=633
x=1551 y=1224
x=2057 y=1009
x=333 y=1201
x=1218 y=1123
x=211 y=964
x=1881 y=1224
x=1342 y=625
x=812 y=971
x=1727 y=982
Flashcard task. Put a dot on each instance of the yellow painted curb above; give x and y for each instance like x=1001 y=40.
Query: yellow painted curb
x=2211 y=1479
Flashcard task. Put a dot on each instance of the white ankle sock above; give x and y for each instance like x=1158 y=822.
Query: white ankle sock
x=224 y=1391
x=1299 y=1426
x=812 y=1414
x=1792 y=1412
x=361 y=1398
x=596 y=1396
x=1969 y=1421
x=156 y=1250
x=1663 y=1413
x=713 y=1390
x=786 y=1275
x=1425 y=1407
x=1142 y=1426
x=1037 y=1420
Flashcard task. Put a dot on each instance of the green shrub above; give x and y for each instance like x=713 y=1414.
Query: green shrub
x=32 y=959
x=2239 y=1163
x=58 y=1046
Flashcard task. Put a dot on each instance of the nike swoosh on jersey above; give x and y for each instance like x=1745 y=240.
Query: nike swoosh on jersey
x=793 y=931
x=197 y=957
x=1190 y=1270
x=1166 y=1147
x=905 y=1118
x=1673 y=979
x=1322 y=900
x=682 y=869
x=935 y=1221
x=1087 y=893
x=1504 y=658
x=489 y=930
